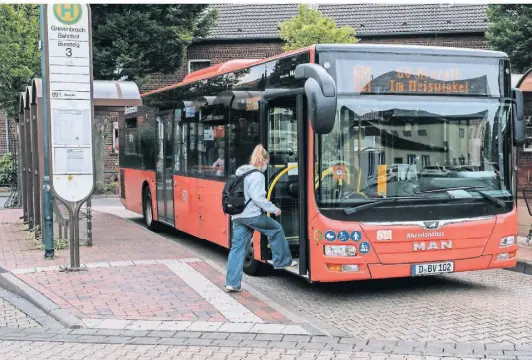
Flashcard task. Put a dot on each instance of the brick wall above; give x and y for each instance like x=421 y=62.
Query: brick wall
x=524 y=159
x=110 y=157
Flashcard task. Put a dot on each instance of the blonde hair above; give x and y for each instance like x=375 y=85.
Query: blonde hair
x=259 y=156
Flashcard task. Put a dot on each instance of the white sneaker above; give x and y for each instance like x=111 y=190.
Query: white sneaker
x=293 y=264
x=233 y=289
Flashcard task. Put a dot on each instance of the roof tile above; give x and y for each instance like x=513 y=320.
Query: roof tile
x=241 y=21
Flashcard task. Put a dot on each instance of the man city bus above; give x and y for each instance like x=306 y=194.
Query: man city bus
x=386 y=161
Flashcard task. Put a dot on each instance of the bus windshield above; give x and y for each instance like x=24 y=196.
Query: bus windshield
x=414 y=146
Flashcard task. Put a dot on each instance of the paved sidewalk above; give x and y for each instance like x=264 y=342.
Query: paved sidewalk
x=136 y=280
x=119 y=344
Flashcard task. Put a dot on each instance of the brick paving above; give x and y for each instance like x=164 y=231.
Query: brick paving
x=10 y=216
x=472 y=308
x=477 y=307
x=130 y=292
x=114 y=240
x=134 y=275
x=13 y=350
x=10 y=316
x=260 y=308
x=119 y=344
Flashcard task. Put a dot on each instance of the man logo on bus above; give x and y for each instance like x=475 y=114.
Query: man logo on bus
x=68 y=14
x=433 y=245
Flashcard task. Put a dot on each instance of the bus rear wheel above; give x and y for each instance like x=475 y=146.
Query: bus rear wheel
x=253 y=267
x=147 y=211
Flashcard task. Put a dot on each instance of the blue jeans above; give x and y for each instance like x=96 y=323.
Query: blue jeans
x=242 y=233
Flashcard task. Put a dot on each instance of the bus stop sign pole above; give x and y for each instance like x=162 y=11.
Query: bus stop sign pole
x=70 y=109
x=48 y=234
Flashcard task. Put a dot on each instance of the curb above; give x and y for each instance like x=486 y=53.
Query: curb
x=100 y=196
x=11 y=283
x=30 y=310
x=266 y=342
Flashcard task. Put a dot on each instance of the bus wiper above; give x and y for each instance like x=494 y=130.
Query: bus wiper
x=497 y=201
x=374 y=203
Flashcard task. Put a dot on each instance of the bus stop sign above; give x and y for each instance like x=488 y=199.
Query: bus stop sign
x=68 y=62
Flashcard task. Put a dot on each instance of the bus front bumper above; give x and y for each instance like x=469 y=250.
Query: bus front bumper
x=381 y=271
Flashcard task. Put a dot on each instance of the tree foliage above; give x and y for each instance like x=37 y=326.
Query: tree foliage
x=134 y=40
x=129 y=42
x=19 y=52
x=510 y=30
x=310 y=26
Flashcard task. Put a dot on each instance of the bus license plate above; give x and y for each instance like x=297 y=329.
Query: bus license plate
x=432 y=268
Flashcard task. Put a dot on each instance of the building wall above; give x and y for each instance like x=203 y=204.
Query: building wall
x=110 y=159
x=524 y=158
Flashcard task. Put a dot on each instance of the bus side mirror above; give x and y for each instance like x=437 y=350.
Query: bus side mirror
x=518 y=111
x=321 y=96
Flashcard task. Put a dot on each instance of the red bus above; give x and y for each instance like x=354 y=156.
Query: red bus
x=386 y=161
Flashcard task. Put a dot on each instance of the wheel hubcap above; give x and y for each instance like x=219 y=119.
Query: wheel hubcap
x=148 y=213
x=249 y=254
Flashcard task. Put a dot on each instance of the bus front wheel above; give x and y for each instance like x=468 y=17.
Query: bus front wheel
x=253 y=267
x=147 y=211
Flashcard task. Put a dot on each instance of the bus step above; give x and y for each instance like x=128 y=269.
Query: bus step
x=294 y=270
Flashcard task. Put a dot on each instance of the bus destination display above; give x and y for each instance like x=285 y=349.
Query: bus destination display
x=417 y=80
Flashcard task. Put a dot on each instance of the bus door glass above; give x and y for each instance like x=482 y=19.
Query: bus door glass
x=283 y=176
x=165 y=166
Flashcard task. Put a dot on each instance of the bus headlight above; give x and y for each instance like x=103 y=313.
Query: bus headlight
x=507 y=241
x=340 y=251
x=343 y=267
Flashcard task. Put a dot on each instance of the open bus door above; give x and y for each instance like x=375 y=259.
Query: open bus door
x=283 y=133
x=164 y=168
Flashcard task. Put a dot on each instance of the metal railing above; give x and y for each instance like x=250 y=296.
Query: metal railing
x=11 y=177
x=62 y=222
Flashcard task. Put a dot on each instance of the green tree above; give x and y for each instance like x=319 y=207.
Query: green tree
x=310 y=26
x=132 y=41
x=510 y=30
x=19 y=52
x=129 y=41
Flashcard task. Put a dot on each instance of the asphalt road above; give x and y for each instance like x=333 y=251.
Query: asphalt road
x=474 y=307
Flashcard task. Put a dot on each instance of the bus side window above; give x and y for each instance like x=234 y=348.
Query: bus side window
x=178 y=139
x=212 y=119
x=244 y=129
x=189 y=116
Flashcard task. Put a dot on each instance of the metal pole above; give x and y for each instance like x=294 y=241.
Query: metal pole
x=7 y=129
x=89 y=222
x=48 y=235
x=74 y=236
